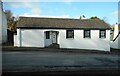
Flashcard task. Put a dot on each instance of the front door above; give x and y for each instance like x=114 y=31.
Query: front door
x=54 y=37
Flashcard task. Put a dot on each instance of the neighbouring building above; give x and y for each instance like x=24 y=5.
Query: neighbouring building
x=115 y=43
x=3 y=25
x=92 y=34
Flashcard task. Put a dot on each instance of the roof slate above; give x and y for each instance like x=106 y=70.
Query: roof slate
x=30 y=22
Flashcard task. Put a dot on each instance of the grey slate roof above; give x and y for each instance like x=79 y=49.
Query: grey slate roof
x=38 y=22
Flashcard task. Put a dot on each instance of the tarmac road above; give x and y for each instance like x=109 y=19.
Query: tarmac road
x=40 y=61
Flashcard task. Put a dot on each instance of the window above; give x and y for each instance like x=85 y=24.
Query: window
x=102 y=34
x=69 y=33
x=86 y=33
x=47 y=35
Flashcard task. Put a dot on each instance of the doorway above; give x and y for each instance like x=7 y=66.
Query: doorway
x=54 y=37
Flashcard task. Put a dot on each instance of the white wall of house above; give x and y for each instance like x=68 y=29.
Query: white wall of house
x=0 y=23
x=115 y=44
x=4 y=28
x=47 y=42
x=119 y=42
x=3 y=25
x=15 y=40
x=36 y=38
x=94 y=43
x=33 y=38
x=116 y=31
x=29 y=38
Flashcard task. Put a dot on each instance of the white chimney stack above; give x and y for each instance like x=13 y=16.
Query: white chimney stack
x=116 y=31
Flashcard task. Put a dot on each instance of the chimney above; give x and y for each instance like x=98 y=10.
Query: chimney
x=116 y=31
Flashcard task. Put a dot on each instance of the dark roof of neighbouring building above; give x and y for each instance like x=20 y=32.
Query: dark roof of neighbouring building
x=38 y=22
x=119 y=27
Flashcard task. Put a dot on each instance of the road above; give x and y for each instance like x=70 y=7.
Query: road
x=36 y=61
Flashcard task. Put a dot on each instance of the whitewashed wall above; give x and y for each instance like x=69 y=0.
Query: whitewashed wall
x=36 y=38
x=3 y=26
x=15 y=40
x=119 y=42
x=115 y=44
x=29 y=38
x=85 y=43
x=47 y=41
x=32 y=38
x=0 y=23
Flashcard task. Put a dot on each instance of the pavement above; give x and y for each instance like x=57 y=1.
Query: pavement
x=49 y=60
x=12 y=48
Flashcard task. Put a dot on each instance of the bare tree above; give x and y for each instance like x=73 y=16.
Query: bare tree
x=105 y=19
x=10 y=20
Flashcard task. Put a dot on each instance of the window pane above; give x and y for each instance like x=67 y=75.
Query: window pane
x=47 y=35
x=70 y=34
x=86 y=33
x=102 y=34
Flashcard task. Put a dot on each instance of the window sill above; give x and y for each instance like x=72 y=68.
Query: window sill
x=47 y=39
x=102 y=38
x=87 y=38
x=69 y=38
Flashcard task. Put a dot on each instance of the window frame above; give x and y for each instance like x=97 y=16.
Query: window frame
x=47 y=34
x=68 y=35
x=89 y=34
x=100 y=34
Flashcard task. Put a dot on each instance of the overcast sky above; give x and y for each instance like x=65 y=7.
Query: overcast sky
x=65 y=9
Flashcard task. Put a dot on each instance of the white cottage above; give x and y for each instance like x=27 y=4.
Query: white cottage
x=3 y=25
x=67 y=33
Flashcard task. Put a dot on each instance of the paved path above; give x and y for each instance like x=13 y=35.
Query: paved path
x=36 y=61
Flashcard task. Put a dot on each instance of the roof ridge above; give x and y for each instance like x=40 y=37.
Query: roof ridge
x=56 y=18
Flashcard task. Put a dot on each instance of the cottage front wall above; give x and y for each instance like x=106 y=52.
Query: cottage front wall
x=17 y=38
x=37 y=38
x=79 y=42
x=108 y=35
x=47 y=41
x=33 y=38
x=30 y=38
